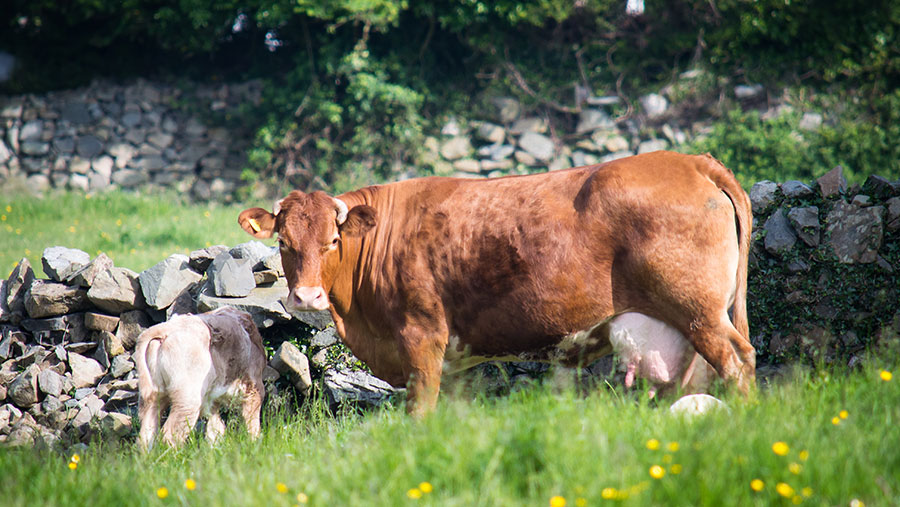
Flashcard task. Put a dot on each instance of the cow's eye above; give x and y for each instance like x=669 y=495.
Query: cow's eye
x=281 y=244
x=335 y=241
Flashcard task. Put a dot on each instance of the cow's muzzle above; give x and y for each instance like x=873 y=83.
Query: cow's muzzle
x=308 y=299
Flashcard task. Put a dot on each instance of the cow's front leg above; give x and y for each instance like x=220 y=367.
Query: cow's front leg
x=422 y=354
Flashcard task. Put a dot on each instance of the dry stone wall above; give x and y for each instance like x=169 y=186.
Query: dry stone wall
x=110 y=135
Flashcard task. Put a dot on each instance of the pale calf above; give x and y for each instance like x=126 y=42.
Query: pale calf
x=194 y=365
x=652 y=350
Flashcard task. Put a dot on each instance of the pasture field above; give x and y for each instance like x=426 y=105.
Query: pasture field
x=135 y=230
x=813 y=438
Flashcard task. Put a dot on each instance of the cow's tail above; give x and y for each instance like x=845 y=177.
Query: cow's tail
x=146 y=354
x=725 y=180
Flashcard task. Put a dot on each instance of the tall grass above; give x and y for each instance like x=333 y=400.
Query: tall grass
x=135 y=230
x=522 y=449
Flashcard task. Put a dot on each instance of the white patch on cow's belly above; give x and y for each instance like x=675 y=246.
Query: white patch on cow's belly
x=655 y=350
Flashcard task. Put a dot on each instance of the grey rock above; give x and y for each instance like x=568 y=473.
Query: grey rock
x=121 y=398
x=17 y=285
x=652 y=145
x=273 y=263
x=121 y=365
x=506 y=109
x=456 y=148
x=49 y=299
x=163 y=282
x=592 y=119
x=88 y=146
x=184 y=304
x=537 y=145
x=467 y=165
x=23 y=391
x=5 y=313
x=532 y=124
x=161 y=140
x=131 y=119
x=60 y=262
x=85 y=276
x=50 y=382
x=35 y=148
x=85 y=371
x=654 y=105
x=491 y=133
x=131 y=325
x=744 y=92
x=833 y=182
x=266 y=277
x=763 y=195
x=795 y=189
x=805 y=221
x=112 y=344
x=614 y=156
x=76 y=113
x=129 y=178
x=606 y=100
x=89 y=409
x=290 y=362
x=878 y=187
x=255 y=252
x=115 y=425
x=117 y=290
x=79 y=347
x=32 y=131
x=523 y=157
x=615 y=143
x=861 y=200
x=810 y=121
x=263 y=304
x=100 y=322
x=892 y=217
x=199 y=260
x=780 y=237
x=496 y=151
x=451 y=128
x=64 y=145
x=855 y=233
x=231 y=277
x=324 y=338
x=58 y=330
x=356 y=387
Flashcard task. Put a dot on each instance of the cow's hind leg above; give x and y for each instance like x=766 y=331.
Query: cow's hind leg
x=215 y=426
x=250 y=408
x=182 y=417
x=149 y=411
x=733 y=357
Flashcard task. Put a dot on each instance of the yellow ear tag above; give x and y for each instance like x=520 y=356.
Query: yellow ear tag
x=254 y=225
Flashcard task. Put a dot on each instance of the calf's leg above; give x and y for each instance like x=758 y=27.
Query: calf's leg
x=149 y=412
x=250 y=408
x=182 y=416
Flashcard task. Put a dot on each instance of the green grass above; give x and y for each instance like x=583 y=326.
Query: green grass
x=135 y=230
x=519 y=449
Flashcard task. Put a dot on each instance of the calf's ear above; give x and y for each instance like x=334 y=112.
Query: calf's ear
x=258 y=222
x=360 y=219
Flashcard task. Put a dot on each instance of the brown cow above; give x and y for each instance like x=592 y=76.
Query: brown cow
x=431 y=274
x=193 y=364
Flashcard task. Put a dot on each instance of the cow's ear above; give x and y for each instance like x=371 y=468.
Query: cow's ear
x=258 y=222
x=360 y=219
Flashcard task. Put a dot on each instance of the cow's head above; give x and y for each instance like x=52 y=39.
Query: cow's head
x=310 y=230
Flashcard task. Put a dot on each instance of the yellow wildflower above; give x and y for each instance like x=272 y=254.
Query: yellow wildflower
x=806 y=492
x=675 y=469
x=426 y=487
x=856 y=502
x=795 y=468
x=8 y=208
x=71 y=228
x=119 y=222
x=835 y=420
x=886 y=375
x=73 y=465
x=653 y=444
x=804 y=455
x=673 y=446
x=608 y=493
x=190 y=484
x=797 y=499
x=657 y=472
x=281 y=487
x=2 y=218
x=843 y=414
x=206 y=213
x=757 y=485
x=414 y=493
x=780 y=448
x=75 y=458
x=784 y=489
x=580 y=502
x=557 y=501
x=162 y=492
x=302 y=498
